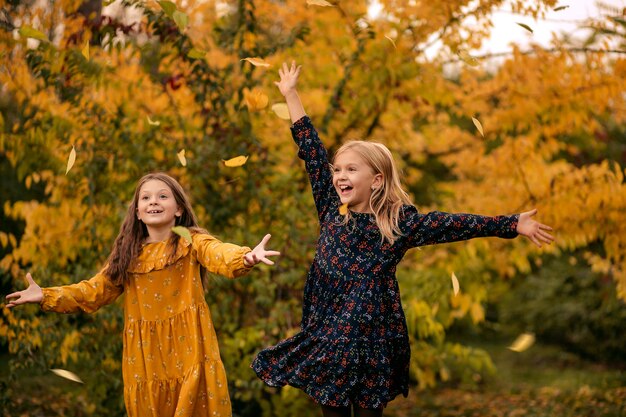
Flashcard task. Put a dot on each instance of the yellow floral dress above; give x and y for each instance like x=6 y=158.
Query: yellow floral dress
x=171 y=360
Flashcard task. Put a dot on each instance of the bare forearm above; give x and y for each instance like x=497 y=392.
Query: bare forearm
x=294 y=104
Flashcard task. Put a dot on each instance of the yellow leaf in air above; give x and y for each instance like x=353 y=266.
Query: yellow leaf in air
x=318 y=3
x=236 y=161
x=523 y=342
x=85 y=51
x=182 y=232
x=67 y=375
x=70 y=160
x=257 y=62
x=479 y=126
x=525 y=26
x=181 y=157
x=467 y=58
x=455 y=284
x=28 y=32
x=281 y=110
x=153 y=122
x=255 y=99
x=343 y=209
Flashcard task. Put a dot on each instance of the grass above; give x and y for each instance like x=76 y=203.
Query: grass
x=543 y=381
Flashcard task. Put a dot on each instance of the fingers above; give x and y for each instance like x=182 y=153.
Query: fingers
x=29 y=279
x=265 y=239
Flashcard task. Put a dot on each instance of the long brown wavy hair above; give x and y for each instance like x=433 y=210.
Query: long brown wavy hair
x=133 y=231
x=387 y=200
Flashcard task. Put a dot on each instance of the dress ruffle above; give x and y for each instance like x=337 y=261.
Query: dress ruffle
x=156 y=256
x=338 y=372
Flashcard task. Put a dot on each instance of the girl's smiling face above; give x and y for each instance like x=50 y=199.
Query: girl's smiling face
x=353 y=179
x=157 y=207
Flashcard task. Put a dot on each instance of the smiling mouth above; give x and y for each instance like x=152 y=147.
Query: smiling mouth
x=155 y=211
x=344 y=189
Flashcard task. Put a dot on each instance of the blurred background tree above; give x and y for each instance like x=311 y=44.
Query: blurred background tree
x=128 y=85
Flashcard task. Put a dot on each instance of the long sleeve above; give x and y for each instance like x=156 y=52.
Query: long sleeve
x=86 y=296
x=438 y=227
x=315 y=156
x=220 y=258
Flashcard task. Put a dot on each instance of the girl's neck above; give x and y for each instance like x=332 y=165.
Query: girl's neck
x=159 y=235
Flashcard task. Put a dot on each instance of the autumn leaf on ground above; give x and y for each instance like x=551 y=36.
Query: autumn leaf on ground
x=153 y=122
x=318 y=3
x=343 y=209
x=467 y=58
x=181 y=20
x=196 y=53
x=560 y=8
x=168 y=7
x=479 y=126
x=392 y=42
x=257 y=62
x=85 y=51
x=67 y=375
x=70 y=160
x=525 y=26
x=28 y=32
x=182 y=232
x=281 y=110
x=236 y=161
x=181 y=157
x=255 y=99
x=523 y=342
x=455 y=284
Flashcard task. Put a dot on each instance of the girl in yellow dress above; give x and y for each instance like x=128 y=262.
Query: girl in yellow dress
x=171 y=362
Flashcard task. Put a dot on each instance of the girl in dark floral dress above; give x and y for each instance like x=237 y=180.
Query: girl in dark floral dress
x=353 y=350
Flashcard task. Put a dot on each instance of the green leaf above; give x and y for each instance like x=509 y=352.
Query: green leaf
x=196 y=53
x=525 y=26
x=28 y=32
x=181 y=20
x=168 y=7
x=182 y=232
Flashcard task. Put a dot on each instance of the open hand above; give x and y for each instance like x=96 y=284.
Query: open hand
x=259 y=254
x=32 y=294
x=533 y=230
x=288 y=78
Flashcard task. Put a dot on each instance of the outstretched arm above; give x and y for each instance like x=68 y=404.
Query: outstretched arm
x=32 y=294
x=533 y=230
x=287 y=86
x=259 y=254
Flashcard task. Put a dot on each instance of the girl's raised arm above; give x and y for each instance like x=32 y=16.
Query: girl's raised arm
x=287 y=86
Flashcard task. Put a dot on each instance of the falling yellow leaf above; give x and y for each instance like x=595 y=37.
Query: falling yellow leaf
x=523 y=342
x=255 y=99
x=67 y=375
x=467 y=58
x=392 y=42
x=181 y=157
x=153 y=122
x=257 y=62
x=343 y=209
x=28 y=32
x=318 y=3
x=182 y=232
x=70 y=160
x=479 y=126
x=85 y=51
x=525 y=26
x=195 y=53
x=455 y=284
x=281 y=110
x=236 y=161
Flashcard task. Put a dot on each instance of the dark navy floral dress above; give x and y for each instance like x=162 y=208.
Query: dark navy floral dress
x=354 y=345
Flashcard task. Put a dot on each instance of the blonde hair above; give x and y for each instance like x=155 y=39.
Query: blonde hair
x=386 y=201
